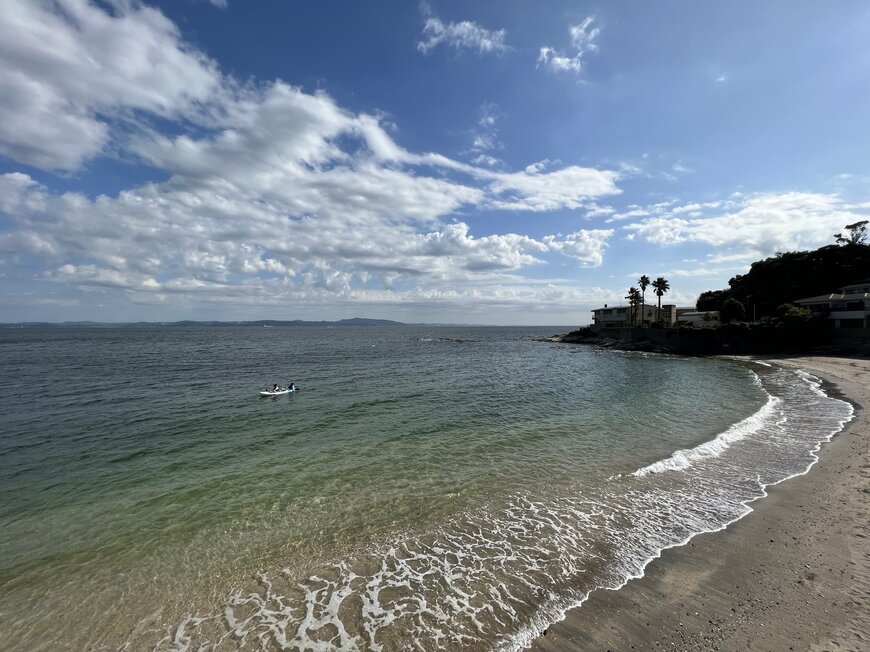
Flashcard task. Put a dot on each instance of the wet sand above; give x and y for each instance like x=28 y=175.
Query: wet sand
x=792 y=575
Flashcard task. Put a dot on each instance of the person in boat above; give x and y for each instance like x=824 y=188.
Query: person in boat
x=292 y=387
x=275 y=387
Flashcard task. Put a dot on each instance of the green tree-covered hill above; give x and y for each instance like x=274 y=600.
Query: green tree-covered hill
x=789 y=276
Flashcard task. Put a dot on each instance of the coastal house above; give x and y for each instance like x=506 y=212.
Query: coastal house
x=849 y=308
x=698 y=319
x=619 y=316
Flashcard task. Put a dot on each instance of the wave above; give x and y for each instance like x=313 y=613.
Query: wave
x=769 y=414
x=496 y=579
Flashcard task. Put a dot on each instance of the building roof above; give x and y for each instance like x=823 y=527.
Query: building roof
x=835 y=296
x=625 y=305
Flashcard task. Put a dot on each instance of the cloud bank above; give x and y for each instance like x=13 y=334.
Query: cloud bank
x=69 y=69
x=272 y=195
x=747 y=228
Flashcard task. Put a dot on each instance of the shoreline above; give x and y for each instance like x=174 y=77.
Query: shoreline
x=793 y=574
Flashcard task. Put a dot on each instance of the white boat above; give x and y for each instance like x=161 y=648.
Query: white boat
x=279 y=392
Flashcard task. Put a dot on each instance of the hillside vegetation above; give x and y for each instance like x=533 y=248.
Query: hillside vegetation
x=783 y=278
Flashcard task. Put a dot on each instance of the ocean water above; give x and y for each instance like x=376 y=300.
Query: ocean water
x=428 y=488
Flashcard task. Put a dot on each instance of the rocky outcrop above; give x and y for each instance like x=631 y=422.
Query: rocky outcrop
x=723 y=340
x=621 y=339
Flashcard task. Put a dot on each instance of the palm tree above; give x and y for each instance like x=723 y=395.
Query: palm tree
x=633 y=301
x=643 y=282
x=660 y=285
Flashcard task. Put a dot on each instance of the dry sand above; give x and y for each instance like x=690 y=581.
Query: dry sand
x=792 y=575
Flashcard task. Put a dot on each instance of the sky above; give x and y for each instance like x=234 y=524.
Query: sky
x=495 y=162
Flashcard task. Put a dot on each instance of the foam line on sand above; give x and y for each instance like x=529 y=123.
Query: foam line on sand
x=794 y=574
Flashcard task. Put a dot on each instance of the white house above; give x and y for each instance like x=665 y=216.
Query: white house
x=848 y=308
x=618 y=316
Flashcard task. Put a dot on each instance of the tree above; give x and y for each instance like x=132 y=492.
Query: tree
x=857 y=234
x=660 y=285
x=711 y=300
x=790 y=314
x=643 y=283
x=633 y=302
x=732 y=310
x=780 y=279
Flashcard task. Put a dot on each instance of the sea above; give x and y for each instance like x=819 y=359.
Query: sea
x=428 y=488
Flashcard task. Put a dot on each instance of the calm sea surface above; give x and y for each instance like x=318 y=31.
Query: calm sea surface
x=428 y=488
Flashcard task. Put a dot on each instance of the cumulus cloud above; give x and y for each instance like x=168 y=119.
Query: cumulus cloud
x=464 y=35
x=583 y=38
x=233 y=228
x=205 y=241
x=69 y=70
x=585 y=246
x=753 y=226
x=272 y=194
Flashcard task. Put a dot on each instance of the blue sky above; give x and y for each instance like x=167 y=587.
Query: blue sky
x=492 y=162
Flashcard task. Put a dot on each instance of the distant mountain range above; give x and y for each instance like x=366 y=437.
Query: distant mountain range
x=356 y=321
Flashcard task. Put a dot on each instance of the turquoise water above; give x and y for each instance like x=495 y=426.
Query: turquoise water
x=429 y=487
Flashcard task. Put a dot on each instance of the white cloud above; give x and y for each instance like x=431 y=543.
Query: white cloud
x=757 y=225
x=462 y=35
x=586 y=246
x=69 y=69
x=582 y=40
x=634 y=211
x=568 y=187
x=198 y=242
x=539 y=166
x=696 y=272
x=731 y=258
x=272 y=195
x=242 y=212
x=594 y=210
x=487 y=160
x=484 y=137
x=583 y=35
x=687 y=208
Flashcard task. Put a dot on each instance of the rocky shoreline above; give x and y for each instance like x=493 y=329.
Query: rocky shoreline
x=610 y=340
x=730 y=339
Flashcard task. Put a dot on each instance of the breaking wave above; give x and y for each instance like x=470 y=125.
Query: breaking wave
x=770 y=415
x=496 y=578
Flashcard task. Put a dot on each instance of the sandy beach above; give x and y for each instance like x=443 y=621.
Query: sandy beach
x=792 y=575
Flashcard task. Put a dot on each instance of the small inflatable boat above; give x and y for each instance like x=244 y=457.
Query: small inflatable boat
x=278 y=392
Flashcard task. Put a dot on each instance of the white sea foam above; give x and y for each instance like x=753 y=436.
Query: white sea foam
x=769 y=415
x=496 y=580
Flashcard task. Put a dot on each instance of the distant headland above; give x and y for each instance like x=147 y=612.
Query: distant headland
x=792 y=302
x=260 y=323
